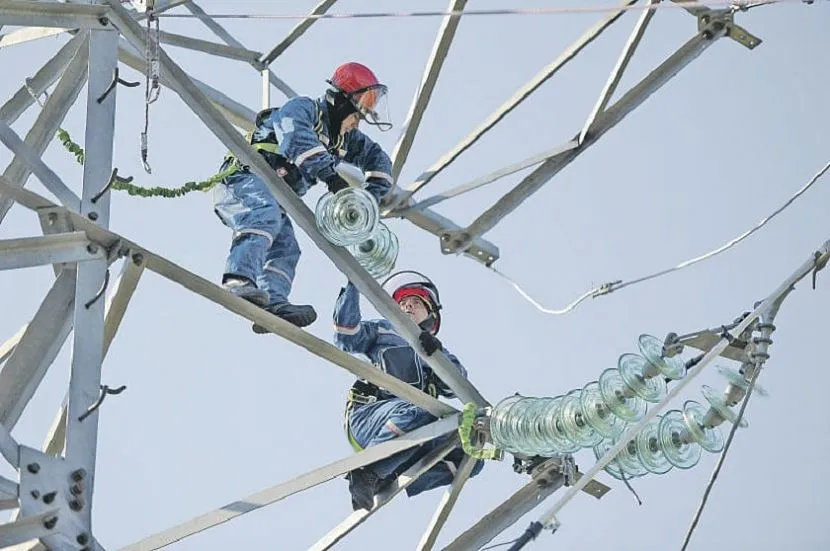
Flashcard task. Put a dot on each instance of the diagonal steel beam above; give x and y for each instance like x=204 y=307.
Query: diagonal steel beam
x=486 y=179
x=48 y=121
x=404 y=481
x=8 y=347
x=41 y=170
x=298 y=211
x=301 y=483
x=532 y=494
x=38 y=347
x=241 y=307
x=220 y=31
x=619 y=69
x=43 y=79
x=610 y=118
x=9 y=448
x=523 y=93
x=440 y=49
x=321 y=348
x=448 y=501
x=297 y=31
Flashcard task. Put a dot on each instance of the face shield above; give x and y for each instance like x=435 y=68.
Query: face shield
x=372 y=106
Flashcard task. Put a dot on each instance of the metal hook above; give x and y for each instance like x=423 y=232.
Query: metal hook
x=101 y=395
x=116 y=80
x=113 y=178
x=100 y=292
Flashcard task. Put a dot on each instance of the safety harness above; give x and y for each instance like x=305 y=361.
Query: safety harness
x=364 y=393
x=268 y=146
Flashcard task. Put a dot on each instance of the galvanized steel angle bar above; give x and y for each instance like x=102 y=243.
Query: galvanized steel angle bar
x=88 y=337
x=440 y=49
x=295 y=33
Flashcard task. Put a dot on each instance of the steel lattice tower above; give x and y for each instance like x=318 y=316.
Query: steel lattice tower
x=55 y=491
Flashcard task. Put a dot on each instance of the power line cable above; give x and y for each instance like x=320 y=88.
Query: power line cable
x=735 y=5
x=607 y=288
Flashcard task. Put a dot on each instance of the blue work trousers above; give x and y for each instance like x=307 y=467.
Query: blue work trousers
x=381 y=421
x=264 y=248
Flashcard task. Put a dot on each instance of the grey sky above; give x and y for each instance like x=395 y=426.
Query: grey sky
x=213 y=412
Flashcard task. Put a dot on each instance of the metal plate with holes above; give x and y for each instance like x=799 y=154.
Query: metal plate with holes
x=47 y=483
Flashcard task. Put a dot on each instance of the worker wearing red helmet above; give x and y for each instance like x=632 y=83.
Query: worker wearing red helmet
x=374 y=415
x=303 y=141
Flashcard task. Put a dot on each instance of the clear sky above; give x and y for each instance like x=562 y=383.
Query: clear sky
x=213 y=412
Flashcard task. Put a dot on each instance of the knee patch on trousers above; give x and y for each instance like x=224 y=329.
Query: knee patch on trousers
x=239 y=234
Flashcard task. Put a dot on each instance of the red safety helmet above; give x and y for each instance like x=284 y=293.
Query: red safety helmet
x=365 y=92
x=409 y=283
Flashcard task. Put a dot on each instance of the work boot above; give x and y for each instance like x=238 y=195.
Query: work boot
x=364 y=485
x=298 y=314
x=245 y=288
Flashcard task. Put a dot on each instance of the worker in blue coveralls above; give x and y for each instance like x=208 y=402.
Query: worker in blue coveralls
x=374 y=415
x=303 y=141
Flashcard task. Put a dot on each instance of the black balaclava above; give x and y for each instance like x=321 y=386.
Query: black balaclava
x=339 y=107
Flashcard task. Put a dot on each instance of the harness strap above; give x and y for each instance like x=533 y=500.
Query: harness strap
x=364 y=393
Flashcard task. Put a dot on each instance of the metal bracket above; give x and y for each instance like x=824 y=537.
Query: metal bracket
x=705 y=339
x=712 y=21
x=540 y=469
x=49 y=483
x=461 y=242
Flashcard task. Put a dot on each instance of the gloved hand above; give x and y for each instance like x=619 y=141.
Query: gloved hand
x=335 y=183
x=429 y=343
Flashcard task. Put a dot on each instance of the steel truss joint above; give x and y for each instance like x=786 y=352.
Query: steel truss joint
x=50 y=486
